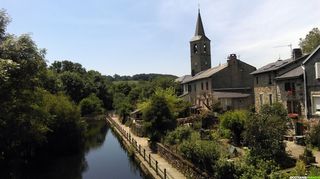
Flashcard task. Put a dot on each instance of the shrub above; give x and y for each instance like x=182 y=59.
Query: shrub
x=264 y=133
x=315 y=136
x=307 y=156
x=235 y=122
x=203 y=154
x=179 y=135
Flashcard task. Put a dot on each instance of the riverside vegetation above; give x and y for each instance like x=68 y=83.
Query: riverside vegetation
x=44 y=107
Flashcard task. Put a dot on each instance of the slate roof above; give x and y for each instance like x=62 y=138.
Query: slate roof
x=292 y=74
x=311 y=55
x=184 y=78
x=199 y=33
x=276 y=65
x=230 y=95
x=199 y=26
x=205 y=73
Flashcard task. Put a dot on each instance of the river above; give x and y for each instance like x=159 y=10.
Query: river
x=104 y=157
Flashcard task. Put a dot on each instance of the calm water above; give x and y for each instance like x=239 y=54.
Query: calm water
x=110 y=160
x=104 y=157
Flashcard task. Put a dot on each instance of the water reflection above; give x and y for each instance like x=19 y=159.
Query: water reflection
x=103 y=157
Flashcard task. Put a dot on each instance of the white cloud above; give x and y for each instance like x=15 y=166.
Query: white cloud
x=249 y=28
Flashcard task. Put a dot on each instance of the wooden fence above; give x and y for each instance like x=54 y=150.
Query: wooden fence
x=153 y=163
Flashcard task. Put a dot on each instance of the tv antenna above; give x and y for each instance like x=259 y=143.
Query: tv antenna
x=279 y=46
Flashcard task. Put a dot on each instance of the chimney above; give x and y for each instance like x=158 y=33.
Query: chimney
x=296 y=53
x=232 y=59
x=232 y=56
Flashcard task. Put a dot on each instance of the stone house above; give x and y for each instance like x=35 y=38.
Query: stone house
x=281 y=81
x=231 y=83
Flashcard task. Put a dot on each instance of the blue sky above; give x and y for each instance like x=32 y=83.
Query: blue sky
x=127 y=37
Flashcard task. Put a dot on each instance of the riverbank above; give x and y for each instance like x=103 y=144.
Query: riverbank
x=153 y=163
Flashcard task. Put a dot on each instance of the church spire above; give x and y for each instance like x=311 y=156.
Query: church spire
x=199 y=26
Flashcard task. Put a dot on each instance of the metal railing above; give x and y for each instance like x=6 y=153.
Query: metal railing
x=153 y=163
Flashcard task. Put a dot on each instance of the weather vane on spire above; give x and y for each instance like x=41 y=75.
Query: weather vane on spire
x=199 y=6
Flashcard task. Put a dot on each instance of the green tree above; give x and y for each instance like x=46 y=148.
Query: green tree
x=235 y=122
x=122 y=106
x=22 y=123
x=264 y=133
x=176 y=105
x=73 y=85
x=158 y=118
x=91 y=105
x=4 y=21
x=67 y=130
x=311 y=41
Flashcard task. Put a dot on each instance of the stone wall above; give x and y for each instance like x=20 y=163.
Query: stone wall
x=187 y=168
x=265 y=92
x=297 y=96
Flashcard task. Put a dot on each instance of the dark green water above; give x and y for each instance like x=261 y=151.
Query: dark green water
x=103 y=157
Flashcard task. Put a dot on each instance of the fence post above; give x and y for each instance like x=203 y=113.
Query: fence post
x=144 y=153
x=157 y=167
x=165 y=173
x=139 y=149
x=150 y=160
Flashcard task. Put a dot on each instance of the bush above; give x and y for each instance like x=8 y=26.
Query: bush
x=203 y=154
x=208 y=119
x=226 y=169
x=179 y=135
x=235 y=122
x=264 y=133
x=300 y=169
x=91 y=105
x=314 y=171
x=315 y=136
x=307 y=156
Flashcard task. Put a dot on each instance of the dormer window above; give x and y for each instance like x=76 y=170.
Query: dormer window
x=195 y=48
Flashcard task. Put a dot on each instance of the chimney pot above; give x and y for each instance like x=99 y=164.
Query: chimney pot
x=232 y=56
x=296 y=53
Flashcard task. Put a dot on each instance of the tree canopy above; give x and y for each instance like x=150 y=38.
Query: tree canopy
x=311 y=41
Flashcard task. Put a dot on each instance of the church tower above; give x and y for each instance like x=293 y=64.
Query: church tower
x=200 y=49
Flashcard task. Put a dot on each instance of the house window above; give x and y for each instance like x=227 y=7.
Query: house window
x=207 y=86
x=201 y=86
x=270 y=99
x=269 y=77
x=261 y=99
x=205 y=48
x=195 y=87
x=290 y=88
x=316 y=104
x=189 y=88
x=257 y=80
